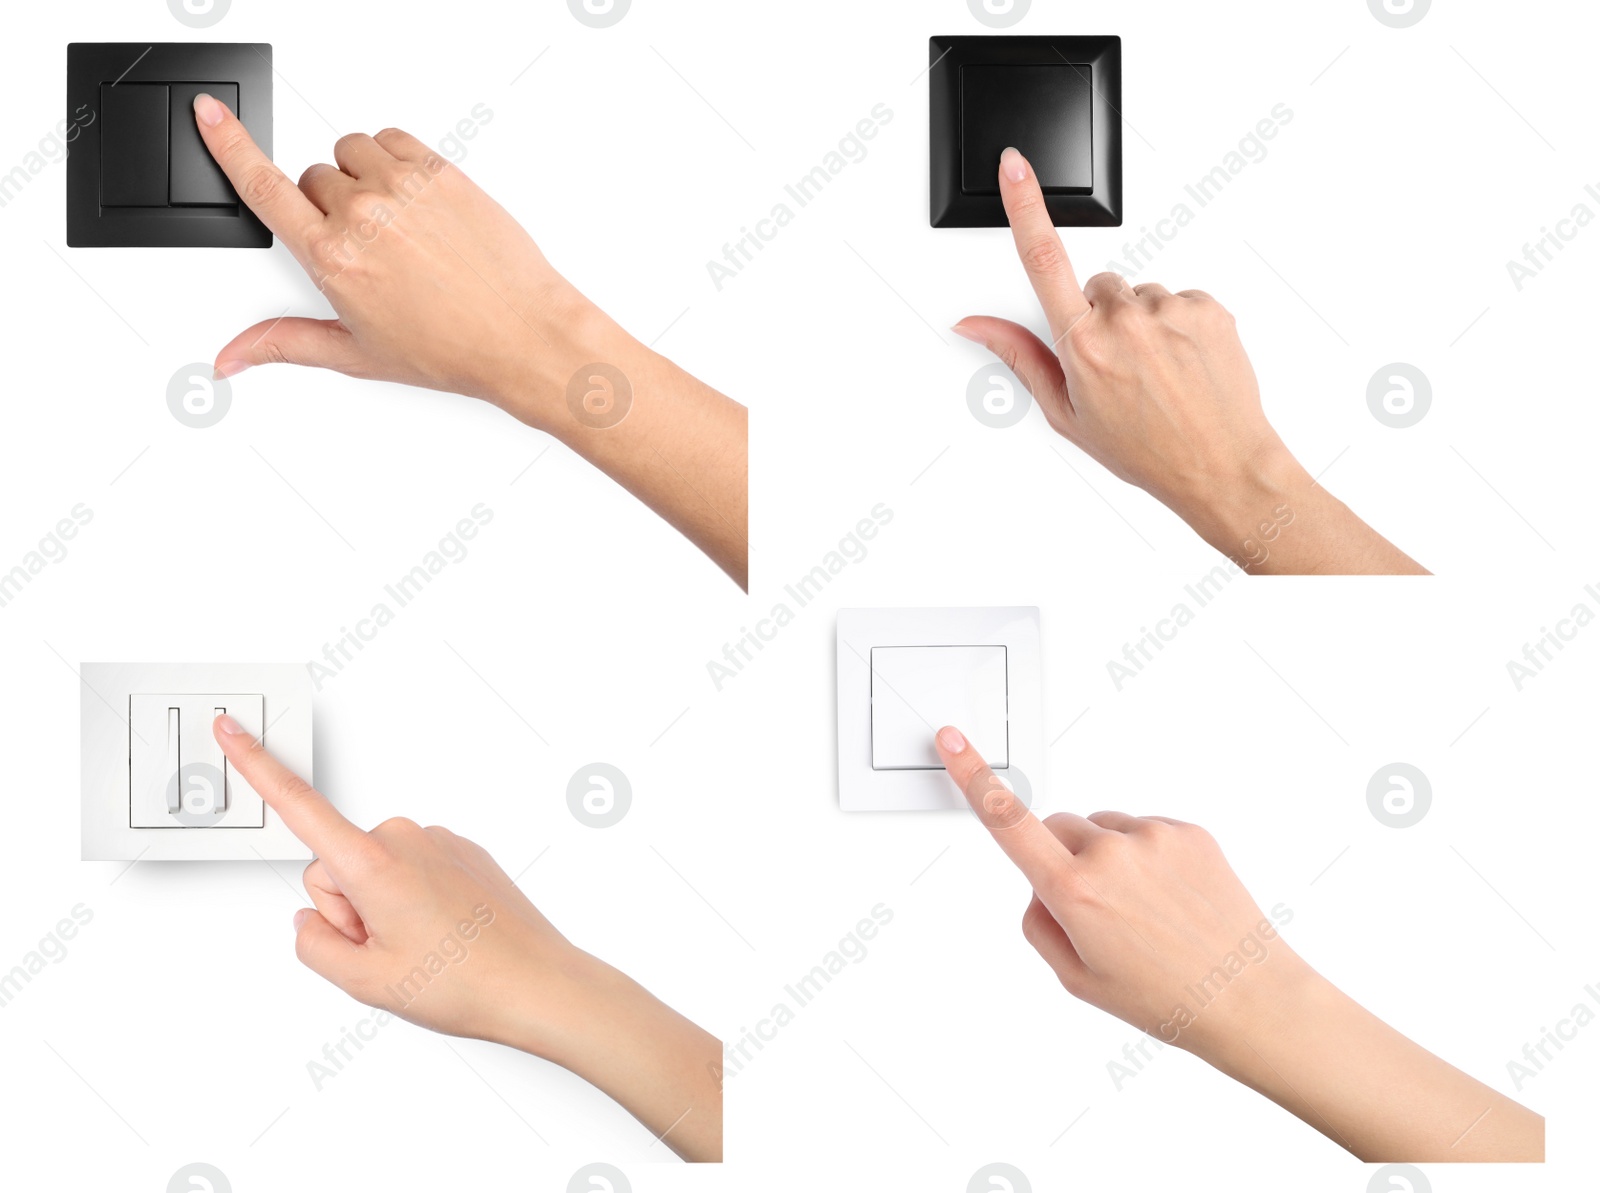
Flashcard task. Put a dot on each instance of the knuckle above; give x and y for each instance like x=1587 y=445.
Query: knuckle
x=1089 y=343
x=294 y=789
x=397 y=826
x=1033 y=920
x=367 y=206
x=273 y=353
x=1044 y=256
x=329 y=256
x=262 y=185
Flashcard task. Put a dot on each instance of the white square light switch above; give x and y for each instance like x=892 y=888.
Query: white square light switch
x=156 y=785
x=903 y=674
x=918 y=689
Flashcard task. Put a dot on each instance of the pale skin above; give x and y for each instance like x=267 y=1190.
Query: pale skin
x=384 y=900
x=1134 y=914
x=1157 y=387
x=434 y=284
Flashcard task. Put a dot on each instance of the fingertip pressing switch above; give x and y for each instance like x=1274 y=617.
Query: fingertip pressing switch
x=195 y=177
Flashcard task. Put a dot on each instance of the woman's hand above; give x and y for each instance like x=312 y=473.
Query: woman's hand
x=423 y=924
x=435 y=284
x=1157 y=387
x=1143 y=917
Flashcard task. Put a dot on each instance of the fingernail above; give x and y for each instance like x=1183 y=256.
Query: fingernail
x=208 y=109
x=229 y=368
x=229 y=726
x=301 y=917
x=950 y=738
x=967 y=334
x=1013 y=165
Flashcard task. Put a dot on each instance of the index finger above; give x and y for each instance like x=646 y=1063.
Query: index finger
x=304 y=809
x=265 y=189
x=1043 y=255
x=1034 y=848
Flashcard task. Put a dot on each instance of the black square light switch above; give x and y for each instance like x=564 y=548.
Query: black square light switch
x=1055 y=99
x=139 y=173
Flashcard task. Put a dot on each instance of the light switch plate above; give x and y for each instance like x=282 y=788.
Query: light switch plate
x=155 y=785
x=1056 y=99
x=905 y=673
x=138 y=174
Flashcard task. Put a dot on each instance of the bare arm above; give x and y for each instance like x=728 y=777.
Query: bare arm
x=1142 y=917
x=435 y=284
x=1156 y=386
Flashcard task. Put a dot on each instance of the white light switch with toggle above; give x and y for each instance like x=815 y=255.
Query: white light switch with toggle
x=156 y=785
x=178 y=777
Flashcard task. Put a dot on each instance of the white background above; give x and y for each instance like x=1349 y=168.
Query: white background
x=1377 y=229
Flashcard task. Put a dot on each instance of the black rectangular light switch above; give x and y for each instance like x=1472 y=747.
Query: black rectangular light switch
x=1056 y=99
x=196 y=178
x=133 y=145
x=139 y=174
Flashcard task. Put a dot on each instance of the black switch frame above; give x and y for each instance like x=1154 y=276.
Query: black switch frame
x=91 y=65
x=951 y=206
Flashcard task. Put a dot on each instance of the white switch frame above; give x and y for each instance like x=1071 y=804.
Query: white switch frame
x=105 y=695
x=863 y=789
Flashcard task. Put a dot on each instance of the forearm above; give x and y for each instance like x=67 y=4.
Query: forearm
x=1326 y=1059
x=1276 y=520
x=672 y=441
x=660 y=1067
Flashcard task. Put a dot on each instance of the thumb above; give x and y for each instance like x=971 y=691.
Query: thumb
x=1024 y=353
x=320 y=343
x=325 y=950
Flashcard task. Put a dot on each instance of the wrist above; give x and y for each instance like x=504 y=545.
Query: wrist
x=568 y=334
x=1247 y=518
x=1285 y=1020
x=549 y=1010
